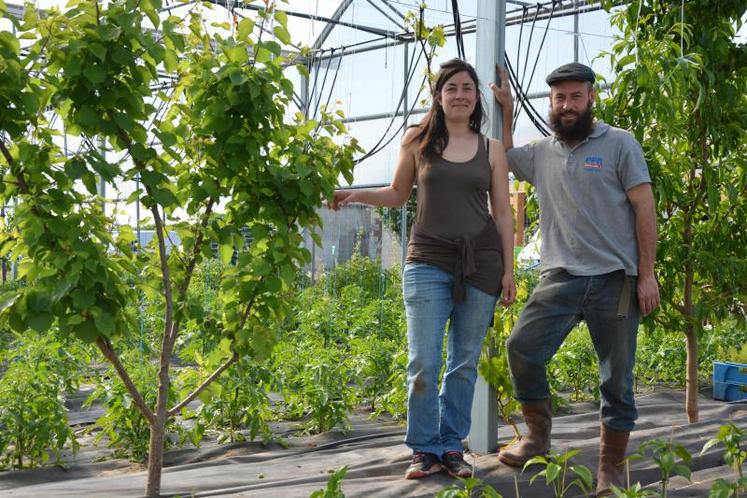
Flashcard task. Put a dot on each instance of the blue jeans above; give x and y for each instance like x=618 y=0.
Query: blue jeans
x=558 y=303
x=438 y=421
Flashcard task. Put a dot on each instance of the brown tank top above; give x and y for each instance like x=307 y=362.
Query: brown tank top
x=453 y=219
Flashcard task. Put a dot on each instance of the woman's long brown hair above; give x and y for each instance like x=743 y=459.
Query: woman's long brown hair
x=433 y=136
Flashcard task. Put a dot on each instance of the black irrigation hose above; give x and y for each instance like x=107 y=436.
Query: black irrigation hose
x=331 y=89
x=316 y=78
x=524 y=101
x=526 y=58
x=532 y=113
x=458 y=30
x=525 y=10
x=324 y=82
x=408 y=80
x=542 y=43
x=396 y=133
x=334 y=80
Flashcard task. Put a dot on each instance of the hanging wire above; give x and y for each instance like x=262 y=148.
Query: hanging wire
x=522 y=99
x=334 y=79
x=379 y=146
x=524 y=12
x=526 y=58
x=458 y=30
x=324 y=81
x=542 y=44
x=520 y=86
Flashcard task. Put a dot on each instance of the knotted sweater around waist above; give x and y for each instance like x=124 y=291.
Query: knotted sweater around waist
x=476 y=260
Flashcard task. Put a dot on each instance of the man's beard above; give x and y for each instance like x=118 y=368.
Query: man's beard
x=576 y=131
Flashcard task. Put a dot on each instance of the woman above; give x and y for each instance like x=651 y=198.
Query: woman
x=459 y=261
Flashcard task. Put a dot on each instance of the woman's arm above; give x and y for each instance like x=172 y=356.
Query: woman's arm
x=504 y=220
x=398 y=192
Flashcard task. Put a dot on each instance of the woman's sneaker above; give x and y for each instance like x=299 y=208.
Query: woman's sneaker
x=453 y=462
x=422 y=465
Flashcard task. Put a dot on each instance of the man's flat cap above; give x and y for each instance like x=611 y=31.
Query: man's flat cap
x=571 y=72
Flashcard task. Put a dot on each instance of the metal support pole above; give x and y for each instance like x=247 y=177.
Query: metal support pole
x=575 y=35
x=491 y=36
x=403 y=209
x=305 y=107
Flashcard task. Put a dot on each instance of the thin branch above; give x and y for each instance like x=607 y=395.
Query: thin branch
x=184 y=286
x=106 y=348
x=6 y=153
x=22 y=185
x=166 y=280
x=165 y=273
x=233 y=359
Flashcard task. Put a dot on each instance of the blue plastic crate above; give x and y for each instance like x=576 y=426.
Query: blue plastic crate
x=729 y=372
x=729 y=391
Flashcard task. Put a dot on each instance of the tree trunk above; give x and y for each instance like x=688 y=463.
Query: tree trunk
x=155 y=457
x=691 y=396
x=157 y=431
x=691 y=375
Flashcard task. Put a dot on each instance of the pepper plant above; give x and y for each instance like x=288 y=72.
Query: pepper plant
x=733 y=438
x=216 y=155
x=558 y=468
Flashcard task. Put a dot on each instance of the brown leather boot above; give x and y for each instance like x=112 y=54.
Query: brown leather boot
x=612 y=446
x=538 y=416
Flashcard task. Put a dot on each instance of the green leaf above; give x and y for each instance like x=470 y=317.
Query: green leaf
x=226 y=253
x=88 y=117
x=584 y=474
x=98 y=50
x=262 y=55
x=8 y=299
x=40 y=322
x=89 y=180
x=236 y=54
x=87 y=330
x=165 y=197
x=534 y=461
x=75 y=168
x=95 y=74
x=82 y=299
x=553 y=471
x=246 y=26
x=281 y=17
x=105 y=323
x=303 y=70
x=170 y=61
x=682 y=470
x=282 y=34
x=152 y=179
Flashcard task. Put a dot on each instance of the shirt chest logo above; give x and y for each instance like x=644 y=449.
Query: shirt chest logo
x=593 y=163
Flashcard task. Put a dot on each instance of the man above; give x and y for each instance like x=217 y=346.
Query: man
x=598 y=228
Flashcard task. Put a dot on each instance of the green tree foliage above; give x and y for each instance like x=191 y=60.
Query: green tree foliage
x=224 y=144
x=681 y=88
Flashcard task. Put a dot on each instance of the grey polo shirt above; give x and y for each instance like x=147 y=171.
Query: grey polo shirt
x=586 y=220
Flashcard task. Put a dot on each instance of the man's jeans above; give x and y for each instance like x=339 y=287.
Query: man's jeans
x=437 y=422
x=558 y=303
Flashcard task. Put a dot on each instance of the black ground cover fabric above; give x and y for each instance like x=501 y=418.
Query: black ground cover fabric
x=377 y=458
